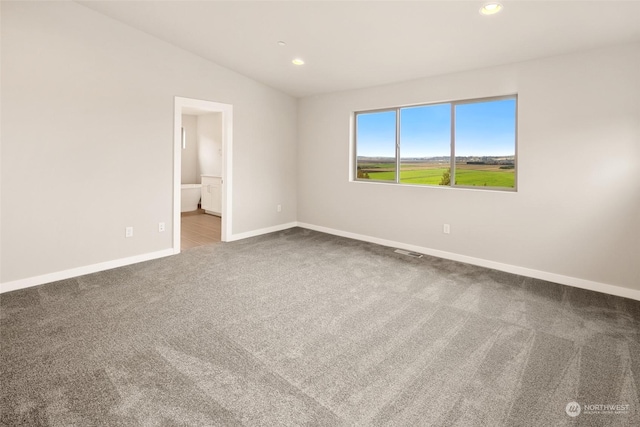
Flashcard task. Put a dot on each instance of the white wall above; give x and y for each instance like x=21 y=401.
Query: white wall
x=87 y=139
x=203 y=152
x=577 y=209
x=87 y=142
x=209 y=144
x=189 y=156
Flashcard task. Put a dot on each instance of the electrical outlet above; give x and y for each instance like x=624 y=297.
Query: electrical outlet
x=446 y=229
x=279 y=208
x=128 y=232
x=160 y=227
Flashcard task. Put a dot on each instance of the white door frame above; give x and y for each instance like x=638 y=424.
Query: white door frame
x=227 y=175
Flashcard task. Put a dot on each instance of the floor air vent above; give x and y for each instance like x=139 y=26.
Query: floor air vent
x=403 y=252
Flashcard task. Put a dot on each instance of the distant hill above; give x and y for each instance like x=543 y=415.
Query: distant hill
x=472 y=160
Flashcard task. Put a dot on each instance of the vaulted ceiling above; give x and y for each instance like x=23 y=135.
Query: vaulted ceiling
x=353 y=44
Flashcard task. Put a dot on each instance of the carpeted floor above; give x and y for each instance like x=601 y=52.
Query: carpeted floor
x=303 y=328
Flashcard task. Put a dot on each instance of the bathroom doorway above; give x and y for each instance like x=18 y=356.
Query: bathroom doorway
x=202 y=173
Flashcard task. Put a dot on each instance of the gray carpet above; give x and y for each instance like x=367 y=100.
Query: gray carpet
x=303 y=328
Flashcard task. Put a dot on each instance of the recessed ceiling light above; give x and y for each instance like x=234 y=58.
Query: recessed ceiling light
x=298 y=61
x=491 y=8
x=281 y=43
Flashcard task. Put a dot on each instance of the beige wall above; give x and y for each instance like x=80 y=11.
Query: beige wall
x=576 y=212
x=97 y=156
x=189 y=155
x=210 y=144
x=87 y=139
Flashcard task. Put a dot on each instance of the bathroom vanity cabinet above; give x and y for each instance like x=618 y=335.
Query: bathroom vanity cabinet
x=212 y=194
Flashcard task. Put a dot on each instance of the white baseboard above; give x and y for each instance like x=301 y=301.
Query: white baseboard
x=94 y=268
x=522 y=271
x=80 y=271
x=261 y=231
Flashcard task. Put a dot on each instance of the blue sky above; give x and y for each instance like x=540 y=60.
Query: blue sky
x=482 y=129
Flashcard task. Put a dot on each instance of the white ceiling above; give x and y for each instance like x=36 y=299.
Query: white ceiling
x=353 y=44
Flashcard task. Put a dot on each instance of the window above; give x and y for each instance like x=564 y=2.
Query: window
x=468 y=143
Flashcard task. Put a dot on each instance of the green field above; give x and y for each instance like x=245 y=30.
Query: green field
x=431 y=174
x=489 y=178
x=419 y=176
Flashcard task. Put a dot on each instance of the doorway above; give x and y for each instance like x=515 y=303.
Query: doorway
x=216 y=163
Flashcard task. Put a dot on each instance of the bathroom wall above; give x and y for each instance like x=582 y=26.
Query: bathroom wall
x=209 y=130
x=190 y=173
x=203 y=152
